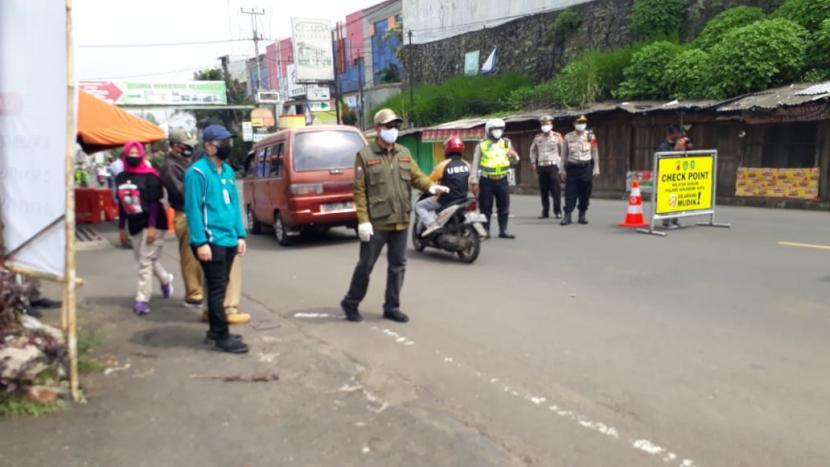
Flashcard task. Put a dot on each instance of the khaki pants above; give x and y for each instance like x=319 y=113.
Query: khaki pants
x=233 y=293
x=191 y=269
x=148 y=258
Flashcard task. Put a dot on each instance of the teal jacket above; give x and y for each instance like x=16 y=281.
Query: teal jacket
x=211 y=204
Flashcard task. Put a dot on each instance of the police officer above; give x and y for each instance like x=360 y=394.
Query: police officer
x=580 y=165
x=676 y=140
x=545 y=158
x=492 y=160
x=384 y=175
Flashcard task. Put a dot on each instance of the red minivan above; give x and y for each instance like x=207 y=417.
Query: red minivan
x=302 y=178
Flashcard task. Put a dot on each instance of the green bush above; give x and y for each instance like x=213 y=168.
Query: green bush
x=688 y=75
x=757 y=56
x=588 y=78
x=657 y=19
x=645 y=76
x=457 y=97
x=807 y=13
x=565 y=23
x=726 y=21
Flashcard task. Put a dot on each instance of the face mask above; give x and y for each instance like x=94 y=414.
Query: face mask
x=580 y=126
x=223 y=153
x=187 y=152
x=497 y=133
x=390 y=135
x=547 y=128
x=133 y=161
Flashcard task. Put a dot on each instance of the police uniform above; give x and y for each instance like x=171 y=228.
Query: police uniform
x=546 y=154
x=581 y=164
x=491 y=164
x=383 y=196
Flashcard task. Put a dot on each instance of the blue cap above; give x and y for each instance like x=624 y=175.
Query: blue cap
x=216 y=132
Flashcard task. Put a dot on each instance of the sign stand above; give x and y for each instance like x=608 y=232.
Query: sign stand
x=702 y=182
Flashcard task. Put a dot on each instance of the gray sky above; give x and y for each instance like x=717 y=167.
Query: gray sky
x=107 y=22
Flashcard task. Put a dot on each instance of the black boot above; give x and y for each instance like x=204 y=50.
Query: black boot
x=503 y=218
x=567 y=220
x=582 y=220
x=487 y=224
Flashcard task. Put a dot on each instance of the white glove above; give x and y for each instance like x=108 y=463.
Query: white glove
x=365 y=231
x=435 y=189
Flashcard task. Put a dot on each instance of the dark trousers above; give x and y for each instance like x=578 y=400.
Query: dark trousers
x=578 y=185
x=217 y=271
x=549 y=187
x=500 y=190
x=369 y=254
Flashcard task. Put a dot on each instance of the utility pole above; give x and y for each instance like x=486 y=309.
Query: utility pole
x=360 y=83
x=231 y=97
x=254 y=14
x=411 y=78
x=334 y=45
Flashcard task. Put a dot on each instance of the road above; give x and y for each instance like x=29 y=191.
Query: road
x=570 y=346
x=591 y=345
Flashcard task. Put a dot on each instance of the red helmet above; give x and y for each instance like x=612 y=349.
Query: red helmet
x=453 y=145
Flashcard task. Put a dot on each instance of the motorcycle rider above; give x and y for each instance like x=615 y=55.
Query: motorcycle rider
x=491 y=163
x=454 y=173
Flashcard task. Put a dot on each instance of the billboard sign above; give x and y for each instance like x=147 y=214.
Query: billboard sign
x=313 y=55
x=135 y=93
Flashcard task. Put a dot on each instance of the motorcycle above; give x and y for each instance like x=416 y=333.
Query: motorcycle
x=461 y=231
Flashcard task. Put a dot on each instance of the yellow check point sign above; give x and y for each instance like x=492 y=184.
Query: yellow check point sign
x=684 y=184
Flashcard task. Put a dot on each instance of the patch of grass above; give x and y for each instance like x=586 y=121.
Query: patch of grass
x=19 y=406
x=87 y=364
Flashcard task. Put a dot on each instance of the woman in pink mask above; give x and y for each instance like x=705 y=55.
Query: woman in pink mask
x=141 y=213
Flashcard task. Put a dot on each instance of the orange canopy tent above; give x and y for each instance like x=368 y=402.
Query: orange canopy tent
x=104 y=126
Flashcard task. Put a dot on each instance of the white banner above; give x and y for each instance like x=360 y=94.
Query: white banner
x=33 y=131
x=312 y=49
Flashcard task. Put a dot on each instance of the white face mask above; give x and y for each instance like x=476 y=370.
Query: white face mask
x=580 y=126
x=497 y=133
x=390 y=135
x=547 y=128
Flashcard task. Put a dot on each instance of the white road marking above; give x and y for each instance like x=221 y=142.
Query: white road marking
x=805 y=245
x=311 y=315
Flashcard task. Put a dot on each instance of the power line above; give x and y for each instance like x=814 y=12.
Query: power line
x=160 y=44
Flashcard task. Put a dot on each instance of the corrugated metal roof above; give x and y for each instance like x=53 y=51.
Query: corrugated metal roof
x=786 y=96
x=822 y=88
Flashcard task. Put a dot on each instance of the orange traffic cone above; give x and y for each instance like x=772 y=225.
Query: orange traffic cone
x=634 y=217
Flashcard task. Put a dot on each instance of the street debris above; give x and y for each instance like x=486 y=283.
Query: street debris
x=239 y=378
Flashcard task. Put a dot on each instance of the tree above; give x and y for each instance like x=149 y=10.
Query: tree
x=726 y=21
x=757 y=56
x=231 y=119
x=807 y=13
x=657 y=19
x=645 y=77
x=818 y=54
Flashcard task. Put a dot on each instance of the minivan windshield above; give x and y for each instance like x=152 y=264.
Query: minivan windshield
x=326 y=150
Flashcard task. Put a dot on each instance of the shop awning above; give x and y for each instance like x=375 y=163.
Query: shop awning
x=104 y=126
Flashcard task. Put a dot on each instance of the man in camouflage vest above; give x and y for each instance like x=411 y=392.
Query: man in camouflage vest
x=385 y=173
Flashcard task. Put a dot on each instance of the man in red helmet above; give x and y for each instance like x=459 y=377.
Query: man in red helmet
x=453 y=173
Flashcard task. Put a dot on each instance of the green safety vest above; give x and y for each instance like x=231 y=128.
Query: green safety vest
x=494 y=160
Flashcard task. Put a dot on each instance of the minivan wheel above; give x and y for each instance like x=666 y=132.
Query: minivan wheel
x=254 y=226
x=280 y=231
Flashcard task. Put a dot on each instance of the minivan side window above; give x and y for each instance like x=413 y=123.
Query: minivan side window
x=276 y=160
x=262 y=162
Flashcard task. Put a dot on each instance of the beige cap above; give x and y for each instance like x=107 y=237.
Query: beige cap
x=182 y=136
x=385 y=116
x=546 y=118
x=582 y=119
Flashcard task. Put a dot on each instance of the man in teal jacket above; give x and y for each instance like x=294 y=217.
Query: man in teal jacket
x=217 y=234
